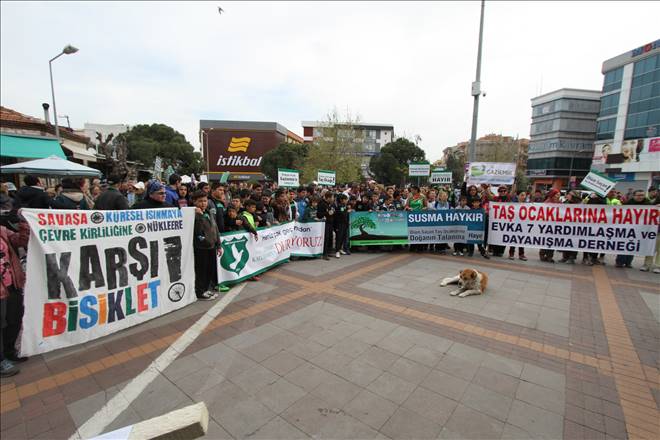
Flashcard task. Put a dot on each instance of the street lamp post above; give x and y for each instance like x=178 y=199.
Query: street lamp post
x=476 y=91
x=68 y=49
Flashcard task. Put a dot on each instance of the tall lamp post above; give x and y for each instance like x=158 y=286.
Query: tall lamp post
x=68 y=50
x=476 y=91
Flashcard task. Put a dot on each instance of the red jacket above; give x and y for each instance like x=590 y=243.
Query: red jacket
x=13 y=240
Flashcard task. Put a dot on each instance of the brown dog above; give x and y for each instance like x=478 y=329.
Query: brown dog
x=470 y=281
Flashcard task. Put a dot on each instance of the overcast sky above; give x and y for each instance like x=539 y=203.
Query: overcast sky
x=408 y=64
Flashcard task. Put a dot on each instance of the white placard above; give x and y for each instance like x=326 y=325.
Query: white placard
x=288 y=178
x=598 y=183
x=493 y=173
x=419 y=169
x=326 y=177
x=93 y=273
x=440 y=178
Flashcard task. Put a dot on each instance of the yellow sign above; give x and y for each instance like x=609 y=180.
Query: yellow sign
x=239 y=144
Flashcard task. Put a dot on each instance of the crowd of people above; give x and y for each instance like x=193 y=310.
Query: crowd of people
x=248 y=206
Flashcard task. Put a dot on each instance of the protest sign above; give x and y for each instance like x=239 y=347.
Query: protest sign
x=598 y=183
x=493 y=173
x=326 y=177
x=446 y=226
x=419 y=169
x=378 y=228
x=93 y=273
x=625 y=230
x=287 y=178
x=440 y=178
x=244 y=257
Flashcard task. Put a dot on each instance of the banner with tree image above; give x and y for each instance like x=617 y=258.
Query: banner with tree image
x=378 y=228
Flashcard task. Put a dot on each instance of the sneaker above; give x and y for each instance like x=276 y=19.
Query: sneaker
x=347 y=252
x=455 y=254
x=461 y=254
x=7 y=369
x=222 y=288
x=470 y=254
x=338 y=255
x=511 y=257
x=523 y=258
x=342 y=252
x=590 y=263
x=656 y=270
x=206 y=296
x=16 y=359
x=486 y=256
x=644 y=268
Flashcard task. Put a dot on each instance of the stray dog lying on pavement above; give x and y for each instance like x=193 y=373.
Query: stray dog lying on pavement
x=470 y=282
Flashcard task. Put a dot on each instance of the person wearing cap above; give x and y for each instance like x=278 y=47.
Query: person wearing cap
x=111 y=199
x=155 y=197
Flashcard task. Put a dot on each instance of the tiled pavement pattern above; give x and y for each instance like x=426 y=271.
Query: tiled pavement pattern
x=369 y=346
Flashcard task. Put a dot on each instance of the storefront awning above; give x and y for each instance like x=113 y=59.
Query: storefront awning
x=29 y=147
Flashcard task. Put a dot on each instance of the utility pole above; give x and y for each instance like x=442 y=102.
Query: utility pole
x=476 y=91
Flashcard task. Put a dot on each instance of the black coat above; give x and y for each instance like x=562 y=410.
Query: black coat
x=217 y=210
x=31 y=197
x=150 y=203
x=111 y=200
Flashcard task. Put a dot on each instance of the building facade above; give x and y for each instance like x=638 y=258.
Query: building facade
x=628 y=132
x=369 y=137
x=238 y=147
x=562 y=137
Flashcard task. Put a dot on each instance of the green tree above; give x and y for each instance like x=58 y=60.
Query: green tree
x=145 y=142
x=286 y=155
x=391 y=165
x=336 y=149
x=456 y=164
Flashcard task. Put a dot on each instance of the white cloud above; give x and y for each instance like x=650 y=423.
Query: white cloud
x=408 y=63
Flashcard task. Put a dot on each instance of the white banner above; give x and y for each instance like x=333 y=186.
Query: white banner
x=244 y=257
x=326 y=177
x=624 y=230
x=598 y=183
x=287 y=178
x=440 y=178
x=93 y=273
x=419 y=169
x=493 y=173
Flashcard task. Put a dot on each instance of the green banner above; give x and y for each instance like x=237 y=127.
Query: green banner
x=378 y=228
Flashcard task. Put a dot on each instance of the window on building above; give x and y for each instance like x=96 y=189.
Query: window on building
x=605 y=129
x=559 y=163
x=644 y=105
x=609 y=104
x=612 y=80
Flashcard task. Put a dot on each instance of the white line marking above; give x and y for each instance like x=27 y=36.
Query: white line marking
x=96 y=424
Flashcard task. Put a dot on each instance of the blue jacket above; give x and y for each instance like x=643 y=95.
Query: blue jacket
x=171 y=196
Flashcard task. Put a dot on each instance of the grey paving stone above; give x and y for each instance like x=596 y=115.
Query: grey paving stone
x=445 y=384
x=370 y=408
x=307 y=376
x=406 y=424
x=306 y=349
x=278 y=429
x=309 y=414
x=306 y=329
x=225 y=360
x=279 y=395
x=336 y=391
x=216 y=432
x=254 y=379
x=328 y=337
x=392 y=387
x=431 y=405
x=557 y=303
x=424 y=356
x=251 y=337
x=199 y=381
x=83 y=409
x=544 y=377
x=458 y=367
x=331 y=360
x=282 y=362
x=359 y=372
x=496 y=381
x=221 y=397
x=341 y=426
x=466 y=423
x=542 y=397
x=351 y=347
x=409 y=370
x=159 y=397
x=652 y=300
x=395 y=345
x=538 y=422
x=183 y=367
x=502 y=364
x=378 y=357
x=244 y=417
x=369 y=336
x=268 y=347
x=511 y=432
x=486 y=401
x=466 y=352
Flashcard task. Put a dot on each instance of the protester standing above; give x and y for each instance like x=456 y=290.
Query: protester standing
x=155 y=197
x=638 y=198
x=111 y=199
x=206 y=247
x=548 y=254
x=326 y=212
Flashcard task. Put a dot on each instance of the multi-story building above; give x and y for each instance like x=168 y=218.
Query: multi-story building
x=369 y=137
x=562 y=137
x=628 y=132
x=238 y=147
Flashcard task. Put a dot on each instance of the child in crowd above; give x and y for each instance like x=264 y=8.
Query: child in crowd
x=459 y=248
x=342 y=212
x=476 y=204
x=206 y=244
